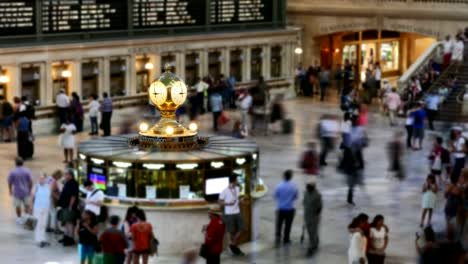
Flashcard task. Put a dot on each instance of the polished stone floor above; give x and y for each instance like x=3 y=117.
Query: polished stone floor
x=398 y=202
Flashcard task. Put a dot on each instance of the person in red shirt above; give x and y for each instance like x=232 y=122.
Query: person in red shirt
x=142 y=234
x=214 y=235
x=113 y=243
x=309 y=163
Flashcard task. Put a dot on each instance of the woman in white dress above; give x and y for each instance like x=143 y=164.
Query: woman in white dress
x=429 y=191
x=68 y=140
x=358 y=243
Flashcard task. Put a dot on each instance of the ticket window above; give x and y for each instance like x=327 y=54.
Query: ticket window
x=30 y=83
x=121 y=181
x=214 y=63
x=142 y=75
x=117 y=77
x=168 y=59
x=256 y=63
x=61 y=75
x=216 y=180
x=89 y=79
x=235 y=64
x=192 y=68
x=276 y=60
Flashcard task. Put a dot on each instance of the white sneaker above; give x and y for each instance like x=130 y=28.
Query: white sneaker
x=19 y=221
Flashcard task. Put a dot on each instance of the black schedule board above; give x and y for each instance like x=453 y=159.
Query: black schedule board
x=168 y=13
x=241 y=11
x=17 y=17
x=62 y=16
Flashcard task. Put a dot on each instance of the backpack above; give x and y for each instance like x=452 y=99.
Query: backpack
x=104 y=211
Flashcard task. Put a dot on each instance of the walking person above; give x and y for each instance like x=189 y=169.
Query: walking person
x=216 y=103
x=25 y=148
x=358 y=243
x=106 y=114
x=439 y=158
x=113 y=242
x=20 y=185
x=309 y=161
x=56 y=188
x=409 y=122
x=392 y=103
x=419 y=116
x=378 y=77
x=285 y=194
x=130 y=219
x=378 y=241
x=142 y=235
x=432 y=107
x=328 y=129
x=214 y=236
x=63 y=106
x=6 y=120
x=230 y=199
x=68 y=140
x=324 y=79
x=41 y=205
x=94 y=107
x=312 y=210
x=245 y=105
x=68 y=203
x=448 y=47
x=94 y=198
x=86 y=231
x=458 y=149
x=396 y=151
x=429 y=190
x=201 y=88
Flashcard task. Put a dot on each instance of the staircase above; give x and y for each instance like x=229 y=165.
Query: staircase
x=452 y=108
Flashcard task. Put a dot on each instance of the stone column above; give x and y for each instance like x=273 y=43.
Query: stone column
x=46 y=83
x=203 y=63
x=130 y=75
x=226 y=55
x=180 y=64
x=266 y=62
x=13 y=87
x=75 y=80
x=104 y=76
x=246 y=66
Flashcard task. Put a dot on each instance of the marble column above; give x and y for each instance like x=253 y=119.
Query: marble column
x=104 y=76
x=203 y=63
x=180 y=64
x=13 y=87
x=130 y=75
x=226 y=55
x=75 y=79
x=266 y=62
x=46 y=83
x=246 y=66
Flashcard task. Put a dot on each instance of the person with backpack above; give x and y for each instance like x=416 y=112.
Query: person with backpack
x=94 y=198
x=6 y=120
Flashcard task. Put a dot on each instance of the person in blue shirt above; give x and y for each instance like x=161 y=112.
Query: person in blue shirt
x=432 y=106
x=418 y=126
x=286 y=194
x=216 y=103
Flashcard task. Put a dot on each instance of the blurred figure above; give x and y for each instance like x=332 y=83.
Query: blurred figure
x=363 y=115
x=201 y=88
x=63 y=105
x=238 y=131
x=358 y=243
x=393 y=104
x=68 y=140
x=428 y=252
x=25 y=145
x=448 y=47
x=94 y=106
x=129 y=221
x=68 y=201
x=277 y=115
x=86 y=231
x=345 y=128
x=429 y=190
x=142 y=234
x=214 y=236
x=245 y=105
x=418 y=115
x=56 y=187
x=312 y=209
x=285 y=194
x=339 y=78
x=310 y=160
x=106 y=114
x=216 y=103
x=439 y=159
x=324 y=78
x=6 y=120
x=458 y=149
x=409 y=122
x=432 y=107
x=453 y=195
x=190 y=257
x=113 y=242
x=77 y=113
x=395 y=153
x=41 y=196
x=328 y=129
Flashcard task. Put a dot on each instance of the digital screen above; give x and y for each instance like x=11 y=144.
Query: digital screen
x=17 y=17
x=216 y=185
x=99 y=180
x=83 y=15
x=241 y=11
x=161 y=13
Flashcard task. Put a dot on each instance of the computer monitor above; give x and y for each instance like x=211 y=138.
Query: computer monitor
x=214 y=186
x=99 y=181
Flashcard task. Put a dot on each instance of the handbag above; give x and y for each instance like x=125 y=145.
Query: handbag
x=154 y=246
x=30 y=223
x=204 y=251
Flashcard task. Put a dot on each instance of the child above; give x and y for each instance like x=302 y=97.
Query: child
x=429 y=191
x=438 y=158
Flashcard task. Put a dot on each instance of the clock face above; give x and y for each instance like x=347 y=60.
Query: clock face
x=158 y=93
x=178 y=92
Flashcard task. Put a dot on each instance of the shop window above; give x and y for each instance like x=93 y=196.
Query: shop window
x=168 y=59
x=117 y=77
x=61 y=75
x=389 y=34
x=349 y=53
x=214 y=64
x=122 y=180
x=30 y=83
x=389 y=55
x=370 y=34
x=256 y=63
x=142 y=74
x=235 y=65
x=192 y=68
x=89 y=79
x=276 y=61
x=350 y=37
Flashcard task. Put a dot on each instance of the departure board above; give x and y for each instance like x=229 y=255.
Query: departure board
x=17 y=17
x=83 y=15
x=241 y=11
x=160 y=13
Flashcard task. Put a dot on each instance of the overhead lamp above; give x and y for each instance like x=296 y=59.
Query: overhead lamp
x=193 y=127
x=337 y=50
x=3 y=77
x=187 y=166
x=83 y=157
x=153 y=166
x=144 y=127
x=298 y=50
x=169 y=130
x=122 y=164
x=217 y=164
x=254 y=156
x=97 y=161
x=240 y=161
x=149 y=66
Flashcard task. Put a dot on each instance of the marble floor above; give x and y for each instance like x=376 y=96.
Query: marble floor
x=398 y=202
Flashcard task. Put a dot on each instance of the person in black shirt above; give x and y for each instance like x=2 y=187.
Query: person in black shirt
x=68 y=201
x=86 y=231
